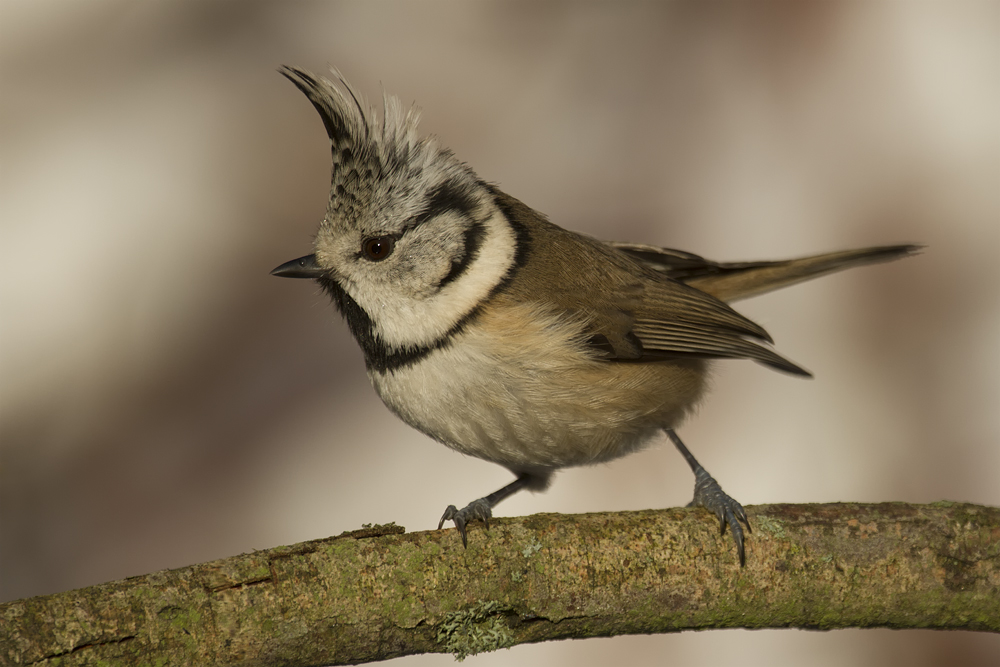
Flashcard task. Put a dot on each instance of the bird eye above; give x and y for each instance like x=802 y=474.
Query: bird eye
x=378 y=248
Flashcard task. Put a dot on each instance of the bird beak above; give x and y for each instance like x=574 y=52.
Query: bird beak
x=303 y=267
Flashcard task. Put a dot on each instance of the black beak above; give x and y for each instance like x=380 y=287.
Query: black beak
x=303 y=267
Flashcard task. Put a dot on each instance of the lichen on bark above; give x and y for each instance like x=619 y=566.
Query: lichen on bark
x=379 y=593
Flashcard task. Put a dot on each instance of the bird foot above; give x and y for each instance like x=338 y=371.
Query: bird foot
x=477 y=509
x=708 y=494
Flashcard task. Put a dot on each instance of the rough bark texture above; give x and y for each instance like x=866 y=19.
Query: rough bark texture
x=378 y=593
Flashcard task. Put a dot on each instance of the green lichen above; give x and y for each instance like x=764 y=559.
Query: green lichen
x=768 y=525
x=532 y=548
x=181 y=618
x=480 y=629
x=384 y=528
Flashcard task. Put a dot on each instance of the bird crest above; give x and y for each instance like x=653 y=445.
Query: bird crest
x=375 y=160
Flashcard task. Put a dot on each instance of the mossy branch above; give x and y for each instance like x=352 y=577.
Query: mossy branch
x=379 y=593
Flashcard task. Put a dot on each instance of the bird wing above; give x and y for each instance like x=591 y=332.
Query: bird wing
x=671 y=320
x=633 y=311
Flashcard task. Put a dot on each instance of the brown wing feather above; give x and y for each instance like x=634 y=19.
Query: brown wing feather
x=634 y=313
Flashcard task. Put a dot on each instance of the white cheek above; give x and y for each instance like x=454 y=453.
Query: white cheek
x=402 y=321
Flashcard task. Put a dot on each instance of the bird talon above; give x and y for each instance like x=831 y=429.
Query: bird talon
x=449 y=513
x=708 y=494
x=477 y=509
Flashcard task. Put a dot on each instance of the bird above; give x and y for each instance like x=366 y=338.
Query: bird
x=508 y=338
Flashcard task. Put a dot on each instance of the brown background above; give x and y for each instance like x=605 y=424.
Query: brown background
x=165 y=401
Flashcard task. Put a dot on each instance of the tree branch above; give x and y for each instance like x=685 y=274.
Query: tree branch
x=377 y=593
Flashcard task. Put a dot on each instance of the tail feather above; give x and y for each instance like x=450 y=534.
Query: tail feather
x=731 y=281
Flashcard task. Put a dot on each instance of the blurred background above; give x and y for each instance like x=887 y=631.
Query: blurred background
x=164 y=401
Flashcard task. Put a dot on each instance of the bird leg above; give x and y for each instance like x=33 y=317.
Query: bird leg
x=708 y=494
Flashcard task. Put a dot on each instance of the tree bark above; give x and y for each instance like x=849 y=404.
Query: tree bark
x=378 y=593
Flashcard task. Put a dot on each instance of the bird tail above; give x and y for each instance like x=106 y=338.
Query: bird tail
x=747 y=279
x=731 y=281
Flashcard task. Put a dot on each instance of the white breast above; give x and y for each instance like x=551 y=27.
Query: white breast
x=519 y=389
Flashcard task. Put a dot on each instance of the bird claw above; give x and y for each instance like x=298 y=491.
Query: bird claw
x=709 y=494
x=477 y=509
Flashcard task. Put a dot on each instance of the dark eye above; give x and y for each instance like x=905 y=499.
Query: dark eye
x=378 y=248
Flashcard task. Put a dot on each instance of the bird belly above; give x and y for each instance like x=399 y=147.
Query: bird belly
x=526 y=393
